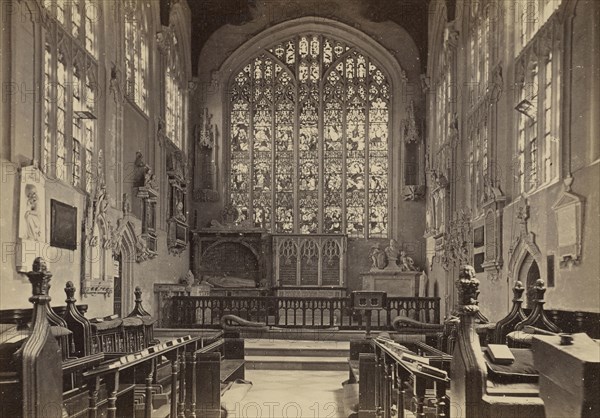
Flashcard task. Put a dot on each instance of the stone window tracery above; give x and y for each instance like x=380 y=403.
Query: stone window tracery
x=530 y=16
x=482 y=29
x=68 y=106
x=538 y=75
x=136 y=53
x=174 y=98
x=308 y=128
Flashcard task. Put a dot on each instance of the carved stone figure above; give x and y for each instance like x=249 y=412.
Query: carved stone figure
x=126 y=205
x=392 y=252
x=32 y=217
x=406 y=262
x=188 y=279
x=378 y=258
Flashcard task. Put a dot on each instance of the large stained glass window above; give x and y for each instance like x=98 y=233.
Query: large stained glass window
x=308 y=129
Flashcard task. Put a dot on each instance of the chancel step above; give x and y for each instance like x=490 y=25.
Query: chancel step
x=296 y=355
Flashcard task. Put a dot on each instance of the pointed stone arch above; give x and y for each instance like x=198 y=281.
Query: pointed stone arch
x=525 y=245
x=125 y=245
x=358 y=40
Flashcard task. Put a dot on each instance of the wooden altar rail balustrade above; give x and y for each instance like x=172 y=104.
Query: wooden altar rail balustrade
x=296 y=312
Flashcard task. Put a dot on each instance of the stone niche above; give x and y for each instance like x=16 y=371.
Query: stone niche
x=395 y=283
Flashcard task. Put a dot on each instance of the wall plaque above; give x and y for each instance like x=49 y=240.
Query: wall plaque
x=63 y=225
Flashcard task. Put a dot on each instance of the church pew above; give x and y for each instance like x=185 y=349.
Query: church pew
x=36 y=381
x=78 y=324
x=120 y=378
x=33 y=388
x=537 y=322
x=477 y=389
x=569 y=383
x=515 y=316
x=390 y=384
x=213 y=365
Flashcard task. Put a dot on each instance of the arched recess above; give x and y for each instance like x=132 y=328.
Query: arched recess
x=523 y=257
x=389 y=65
x=100 y=233
x=125 y=248
x=529 y=273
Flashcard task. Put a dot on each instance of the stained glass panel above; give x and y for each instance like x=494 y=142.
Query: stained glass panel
x=284 y=148
x=48 y=77
x=309 y=128
x=61 y=109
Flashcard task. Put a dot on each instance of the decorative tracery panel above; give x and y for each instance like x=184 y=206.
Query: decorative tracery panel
x=309 y=128
x=309 y=260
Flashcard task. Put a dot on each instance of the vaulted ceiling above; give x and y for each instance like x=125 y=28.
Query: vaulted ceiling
x=210 y=15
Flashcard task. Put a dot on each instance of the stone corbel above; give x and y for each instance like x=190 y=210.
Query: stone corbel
x=496 y=85
x=146 y=179
x=161 y=132
x=145 y=248
x=164 y=39
x=115 y=84
x=413 y=192
x=493 y=270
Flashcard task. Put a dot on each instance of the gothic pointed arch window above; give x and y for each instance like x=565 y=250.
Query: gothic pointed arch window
x=483 y=26
x=136 y=52
x=309 y=122
x=174 y=94
x=70 y=60
x=538 y=72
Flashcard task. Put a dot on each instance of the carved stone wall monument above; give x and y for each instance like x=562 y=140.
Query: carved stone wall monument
x=394 y=272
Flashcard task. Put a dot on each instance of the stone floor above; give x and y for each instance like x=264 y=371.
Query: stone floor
x=292 y=394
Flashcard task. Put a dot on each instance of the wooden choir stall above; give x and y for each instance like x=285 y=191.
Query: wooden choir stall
x=57 y=363
x=538 y=374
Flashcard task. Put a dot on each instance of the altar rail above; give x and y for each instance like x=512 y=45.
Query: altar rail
x=296 y=312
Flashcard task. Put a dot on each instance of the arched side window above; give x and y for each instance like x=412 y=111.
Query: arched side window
x=174 y=97
x=482 y=28
x=530 y=16
x=538 y=81
x=136 y=53
x=309 y=122
x=69 y=103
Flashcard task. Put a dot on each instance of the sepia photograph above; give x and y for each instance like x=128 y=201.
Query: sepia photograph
x=300 y=208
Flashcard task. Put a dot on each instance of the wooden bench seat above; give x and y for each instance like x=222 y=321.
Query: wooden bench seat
x=231 y=367
x=354 y=371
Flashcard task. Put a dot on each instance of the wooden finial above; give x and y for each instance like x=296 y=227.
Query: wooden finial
x=138 y=294
x=540 y=289
x=468 y=290
x=70 y=292
x=39 y=277
x=518 y=290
